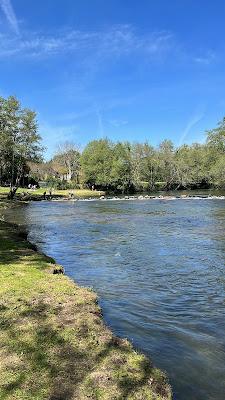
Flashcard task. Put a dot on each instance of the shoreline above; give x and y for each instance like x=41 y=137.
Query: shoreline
x=127 y=198
x=54 y=199
x=54 y=342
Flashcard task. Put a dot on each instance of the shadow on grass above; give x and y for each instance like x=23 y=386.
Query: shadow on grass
x=14 y=246
x=50 y=362
x=46 y=355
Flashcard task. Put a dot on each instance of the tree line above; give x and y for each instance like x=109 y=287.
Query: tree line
x=103 y=164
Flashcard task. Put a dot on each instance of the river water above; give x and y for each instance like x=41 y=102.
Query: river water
x=159 y=269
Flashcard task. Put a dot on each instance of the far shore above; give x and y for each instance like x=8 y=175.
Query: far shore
x=73 y=195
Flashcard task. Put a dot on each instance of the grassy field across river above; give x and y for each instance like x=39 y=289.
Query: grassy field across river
x=38 y=193
x=54 y=344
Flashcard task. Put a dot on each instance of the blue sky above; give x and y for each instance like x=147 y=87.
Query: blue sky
x=125 y=69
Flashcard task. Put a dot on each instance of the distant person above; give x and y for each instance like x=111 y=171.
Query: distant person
x=44 y=195
x=93 y=187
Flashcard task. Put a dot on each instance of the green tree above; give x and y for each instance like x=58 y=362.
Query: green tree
x=191 y=165
x=216 y=137
x=167 y=164
x=96 y=163
x=217 y=171
x=145 y=165
x=216 y=154
x=121 y=173
x=20 y=141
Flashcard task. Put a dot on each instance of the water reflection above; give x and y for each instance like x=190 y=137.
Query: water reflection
x=159 y=270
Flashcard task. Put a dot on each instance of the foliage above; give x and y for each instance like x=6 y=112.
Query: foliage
x=96 y=162
x=126 y=167
x=20 y=141
x=103 y=164
x=121 y=170
x=67 y=161
x=217 y=171
x=216 y=137
x=167 y=164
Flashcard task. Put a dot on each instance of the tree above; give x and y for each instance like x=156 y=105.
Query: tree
x=217 y=171
x=190 y=165
x=216 y=137
x=96 y=163
x=121 y=172
x=167 y=164
x=20 y=141
x=67 y=161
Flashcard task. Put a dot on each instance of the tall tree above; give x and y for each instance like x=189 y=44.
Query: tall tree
x=216 y=137
x=67 y=161
x=121 y=172
x=20 y=138
x=168 y=170
x=96 y=163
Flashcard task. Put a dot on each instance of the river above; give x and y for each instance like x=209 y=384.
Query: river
x=159 y=269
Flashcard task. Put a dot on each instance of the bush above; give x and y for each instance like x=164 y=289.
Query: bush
x=160 y=185
x=59 y=184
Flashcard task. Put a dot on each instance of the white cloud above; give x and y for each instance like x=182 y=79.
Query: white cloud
x=116 y=41
x=7 y=8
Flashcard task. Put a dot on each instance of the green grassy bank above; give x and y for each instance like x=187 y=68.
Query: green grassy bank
x=38 y=193
x=54 y=344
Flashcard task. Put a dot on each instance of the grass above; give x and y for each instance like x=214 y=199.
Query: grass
x=38 y=193
x=54 y=344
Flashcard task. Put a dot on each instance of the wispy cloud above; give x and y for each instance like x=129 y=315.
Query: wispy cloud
x=73 y=115
x=100 y=123
x=116 y=41
x=112 y=43
x=117 y=123
x=205 y=59
x=8 y=10
x=191 y=123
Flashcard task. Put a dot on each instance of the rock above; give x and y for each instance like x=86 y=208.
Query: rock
x=58 y=270
x=33 y=246
x=23 y=235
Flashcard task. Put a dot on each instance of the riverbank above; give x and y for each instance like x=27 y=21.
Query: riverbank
x=48 y=193
x=88 y=195
x=54 y=344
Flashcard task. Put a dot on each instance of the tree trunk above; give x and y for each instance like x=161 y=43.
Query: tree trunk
x=13 y=188
x=12 y=193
